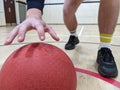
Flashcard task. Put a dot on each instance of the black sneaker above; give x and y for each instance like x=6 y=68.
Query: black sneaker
x=73 y=40
x=106 y=64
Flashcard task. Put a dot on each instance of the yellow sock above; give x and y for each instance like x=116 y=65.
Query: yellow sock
x=105 y=40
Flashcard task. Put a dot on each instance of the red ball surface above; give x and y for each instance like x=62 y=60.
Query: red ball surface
x=38 y=66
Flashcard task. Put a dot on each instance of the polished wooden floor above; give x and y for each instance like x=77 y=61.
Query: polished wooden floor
x=83 y=56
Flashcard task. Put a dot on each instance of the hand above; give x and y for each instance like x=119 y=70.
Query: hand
x=30 y=23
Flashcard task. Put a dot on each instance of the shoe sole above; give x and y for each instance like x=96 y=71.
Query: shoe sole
x=106 y=75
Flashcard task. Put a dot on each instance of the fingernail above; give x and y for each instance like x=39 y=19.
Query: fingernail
x=42 y=37
x=20 y=38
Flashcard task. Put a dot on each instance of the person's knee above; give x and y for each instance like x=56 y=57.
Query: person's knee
x=65 y=11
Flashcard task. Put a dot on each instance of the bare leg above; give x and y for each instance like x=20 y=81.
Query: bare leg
x=108 y=15
x=70 y=7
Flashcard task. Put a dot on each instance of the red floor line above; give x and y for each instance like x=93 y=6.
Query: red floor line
x=109 y=80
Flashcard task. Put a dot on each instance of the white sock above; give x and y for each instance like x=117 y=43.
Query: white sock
x=73 y=33
x=104 y=45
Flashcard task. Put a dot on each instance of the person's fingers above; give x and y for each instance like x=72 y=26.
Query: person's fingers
x=22 y=32
x=52 y=33
x=40 y=30
x=12 y=35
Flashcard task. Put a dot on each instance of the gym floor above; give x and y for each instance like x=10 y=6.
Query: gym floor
x=83 y=56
